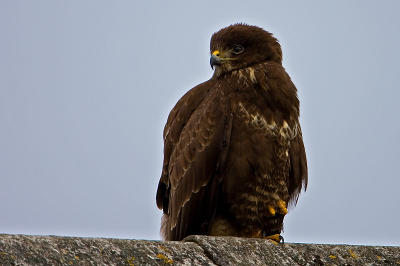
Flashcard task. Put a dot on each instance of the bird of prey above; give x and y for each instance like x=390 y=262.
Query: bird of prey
x=234 y=157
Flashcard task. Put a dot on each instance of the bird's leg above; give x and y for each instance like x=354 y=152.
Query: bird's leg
x=275 y=238
x=257 y=234
x=281 y=209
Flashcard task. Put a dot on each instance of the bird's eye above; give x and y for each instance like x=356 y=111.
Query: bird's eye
x=237 y=49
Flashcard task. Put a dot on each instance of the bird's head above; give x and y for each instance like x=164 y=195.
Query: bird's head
x=240 y=45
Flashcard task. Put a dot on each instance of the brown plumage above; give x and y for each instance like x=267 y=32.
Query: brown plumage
x=233 y=150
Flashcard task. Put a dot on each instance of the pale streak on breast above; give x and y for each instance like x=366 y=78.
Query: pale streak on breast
x=246 y=74
x=249 y=197
x=284 y=129
x=240 y=75
x=252 y=75
x=288 y=132
x=268 y=193
x=257 y=120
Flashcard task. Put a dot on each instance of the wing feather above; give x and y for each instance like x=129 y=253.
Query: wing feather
x=188 y=189
x=177 y=119
x=298 y=174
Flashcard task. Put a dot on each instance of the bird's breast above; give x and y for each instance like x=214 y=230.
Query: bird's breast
x=258 y=162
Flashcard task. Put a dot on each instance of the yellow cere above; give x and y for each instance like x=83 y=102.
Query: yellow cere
x=216 y=53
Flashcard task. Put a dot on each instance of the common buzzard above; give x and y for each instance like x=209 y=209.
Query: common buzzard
x=234 y=156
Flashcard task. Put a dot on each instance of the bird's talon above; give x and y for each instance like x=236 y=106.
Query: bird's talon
x=275 y=239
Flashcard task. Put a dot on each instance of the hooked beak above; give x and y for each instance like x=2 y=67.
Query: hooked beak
x=214 y=59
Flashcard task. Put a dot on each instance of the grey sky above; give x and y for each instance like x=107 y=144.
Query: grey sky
x=86 y=87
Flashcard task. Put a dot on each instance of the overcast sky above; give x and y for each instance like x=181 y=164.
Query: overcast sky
x=86 y=88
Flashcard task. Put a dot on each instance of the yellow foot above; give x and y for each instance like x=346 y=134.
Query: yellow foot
x=281 y=208
x=275 y=239
x=271 y=210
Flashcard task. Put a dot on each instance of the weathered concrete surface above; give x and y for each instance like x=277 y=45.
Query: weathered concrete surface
x=53 y=250
x=245 y=251
x=194 y=250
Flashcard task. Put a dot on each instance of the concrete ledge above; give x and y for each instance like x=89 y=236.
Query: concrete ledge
x=194 y=250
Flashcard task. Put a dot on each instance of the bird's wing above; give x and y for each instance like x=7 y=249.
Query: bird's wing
x=177 y=119
x=188 y=189
x=277 y=85
x=298 y=175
